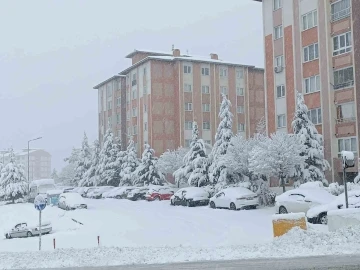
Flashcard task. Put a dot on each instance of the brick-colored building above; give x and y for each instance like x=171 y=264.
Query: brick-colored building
x=313 y=46
x=166 y=92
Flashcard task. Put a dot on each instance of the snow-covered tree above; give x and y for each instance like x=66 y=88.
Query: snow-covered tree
x=67 y=174
x=171 y=160
x=118 y=157
x=261 y=126
x=54 y=175
x=315 y=163
x=84 y=161
x=13 y=183
x=148 y=173
x=199 y=164
x=129 y=165
x=91 y=176
x=277 y=156
x=218 y=171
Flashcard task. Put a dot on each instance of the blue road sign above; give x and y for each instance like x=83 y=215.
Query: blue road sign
x=39 y=203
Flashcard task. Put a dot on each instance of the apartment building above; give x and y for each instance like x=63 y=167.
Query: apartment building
x=166 y=91
x=112 y=108
x=40 y=162
x=313 y=46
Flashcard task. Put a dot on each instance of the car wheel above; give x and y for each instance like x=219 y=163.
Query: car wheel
x=157 y=198
x=232 y=206
x=188 y=204
x=282 y=210
x=118 y=197
x=172 y=203
x=29 y=234
x=253 y=207
x=8 y=236
x=67 y=208
x=212 y=205
x=323 y=219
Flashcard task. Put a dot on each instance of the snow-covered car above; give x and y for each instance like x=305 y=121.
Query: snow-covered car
x=88 y=192
x=71 y=201
x=190 y=196
x=235 y=198
x=97 y=192
x=119 y=192
x=138 y=193
x=25 y=230
x=159 y=193
x=318 y=214
x=301 y=200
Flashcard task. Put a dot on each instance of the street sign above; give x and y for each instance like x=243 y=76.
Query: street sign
x=39 y=203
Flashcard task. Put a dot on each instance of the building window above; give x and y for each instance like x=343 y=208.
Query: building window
x=347 y=144
x=281 y=121
x=277 y=4
x=205 y=89
x=340 y=10
x=315 y=116
x=187 y=69
x=240 y=109
x=129 y=132
x=207 y=141
x=223 y=72
x=241 y=127
x=188 y=125
x=109 y=89
x=278 y=32
x=280 y=91
x=127 y=98
x=343 y=78
x=109 y=105
x=239 y=91
x=205 y=71
x=309 y=20
x=133 y=82
x=118 y=118
x=110 y=121
x=223 y=90
x=188 y=106
x=145 y=108
x=145 y=126
x=134 y=112
x=345 y=112
x=128 y=116
x=187 y=87
x=240 y=73
x=187 y=143
x=206 y=125
x=342 y=44
x=311 y=52
x=144 y=90
x=118 y=102
x=134 y=130
x=134 y=94
x=144 y=72
x=312 y=84
x=206 y=107
x=279 y=61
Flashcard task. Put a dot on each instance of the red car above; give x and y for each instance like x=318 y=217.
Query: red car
x=159 y=193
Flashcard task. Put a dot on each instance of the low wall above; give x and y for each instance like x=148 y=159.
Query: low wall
x=343 y=218
x=285 y=222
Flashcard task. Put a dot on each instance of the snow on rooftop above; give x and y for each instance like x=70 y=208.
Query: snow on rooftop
x=41 y=182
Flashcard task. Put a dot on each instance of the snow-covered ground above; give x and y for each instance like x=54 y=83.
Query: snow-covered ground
x=155 y=232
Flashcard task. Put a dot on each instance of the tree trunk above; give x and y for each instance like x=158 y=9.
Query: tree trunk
x=283 y=183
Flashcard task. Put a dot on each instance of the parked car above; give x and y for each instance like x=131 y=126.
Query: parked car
x=119 y=192
x=25 y=230
x=71 y=201
x=67 y=190
x=235 y=198
x=98 y=191
x=159 y=193
x=138 y=193
x=301 y=200
x=190 y=196
x=40 y=187
x=318 y=214
x=88 y=192
x=53 y=196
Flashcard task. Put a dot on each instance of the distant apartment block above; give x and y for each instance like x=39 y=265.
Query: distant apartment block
x=163 y=93
x=40 y=162
x=313 y=46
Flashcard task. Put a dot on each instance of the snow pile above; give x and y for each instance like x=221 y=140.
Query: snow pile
x=290 y=216
x=301 y=243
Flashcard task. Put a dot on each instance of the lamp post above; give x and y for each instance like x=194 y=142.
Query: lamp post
x=28 y=170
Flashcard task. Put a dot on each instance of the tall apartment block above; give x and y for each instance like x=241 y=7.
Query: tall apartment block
x=313 y=46
x=166 y=92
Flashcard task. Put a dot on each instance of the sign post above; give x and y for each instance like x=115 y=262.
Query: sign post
x=348 y=161
x=40 y=204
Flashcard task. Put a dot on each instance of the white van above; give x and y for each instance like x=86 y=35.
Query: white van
x=41 y=186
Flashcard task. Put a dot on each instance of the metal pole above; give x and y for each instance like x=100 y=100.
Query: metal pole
x=345 y=186
x=28 y=169
x=40 y=230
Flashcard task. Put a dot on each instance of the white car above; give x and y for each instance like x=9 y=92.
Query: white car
x=301 y=200
x=235 y=198
x=118 y=192
x=318 y=214
x=71 y=201
x=97 y=192
x=25 y=230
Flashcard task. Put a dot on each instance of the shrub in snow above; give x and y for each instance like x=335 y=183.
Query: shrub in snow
x=217 y=170
x=13 y=183
x=83 y=162
x=91 y=176
x=261 y=126
x=277 y=156
x=335 y=189
x=315 y=163
x=148 y=173
x=171 y=160
x=129 y=165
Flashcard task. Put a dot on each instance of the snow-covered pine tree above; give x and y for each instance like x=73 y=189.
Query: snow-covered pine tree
x=218 y=172
x=315 y=163
x=129 y=165
x=171 y=160
x=91 y=176
x=84 y=161
x=199 y=164
x=54 y=175
x=261 y=126
x=114 y=166
x=12 y=179
x=104 y=170
x=148 y=173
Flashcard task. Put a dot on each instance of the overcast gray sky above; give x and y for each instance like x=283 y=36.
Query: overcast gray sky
x=53 y=52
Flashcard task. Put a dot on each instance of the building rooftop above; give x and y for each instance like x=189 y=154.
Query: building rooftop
x=159 y=53
x=23 y=152
x=106 y=81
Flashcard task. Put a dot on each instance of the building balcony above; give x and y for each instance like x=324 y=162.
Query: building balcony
x=344 y=85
